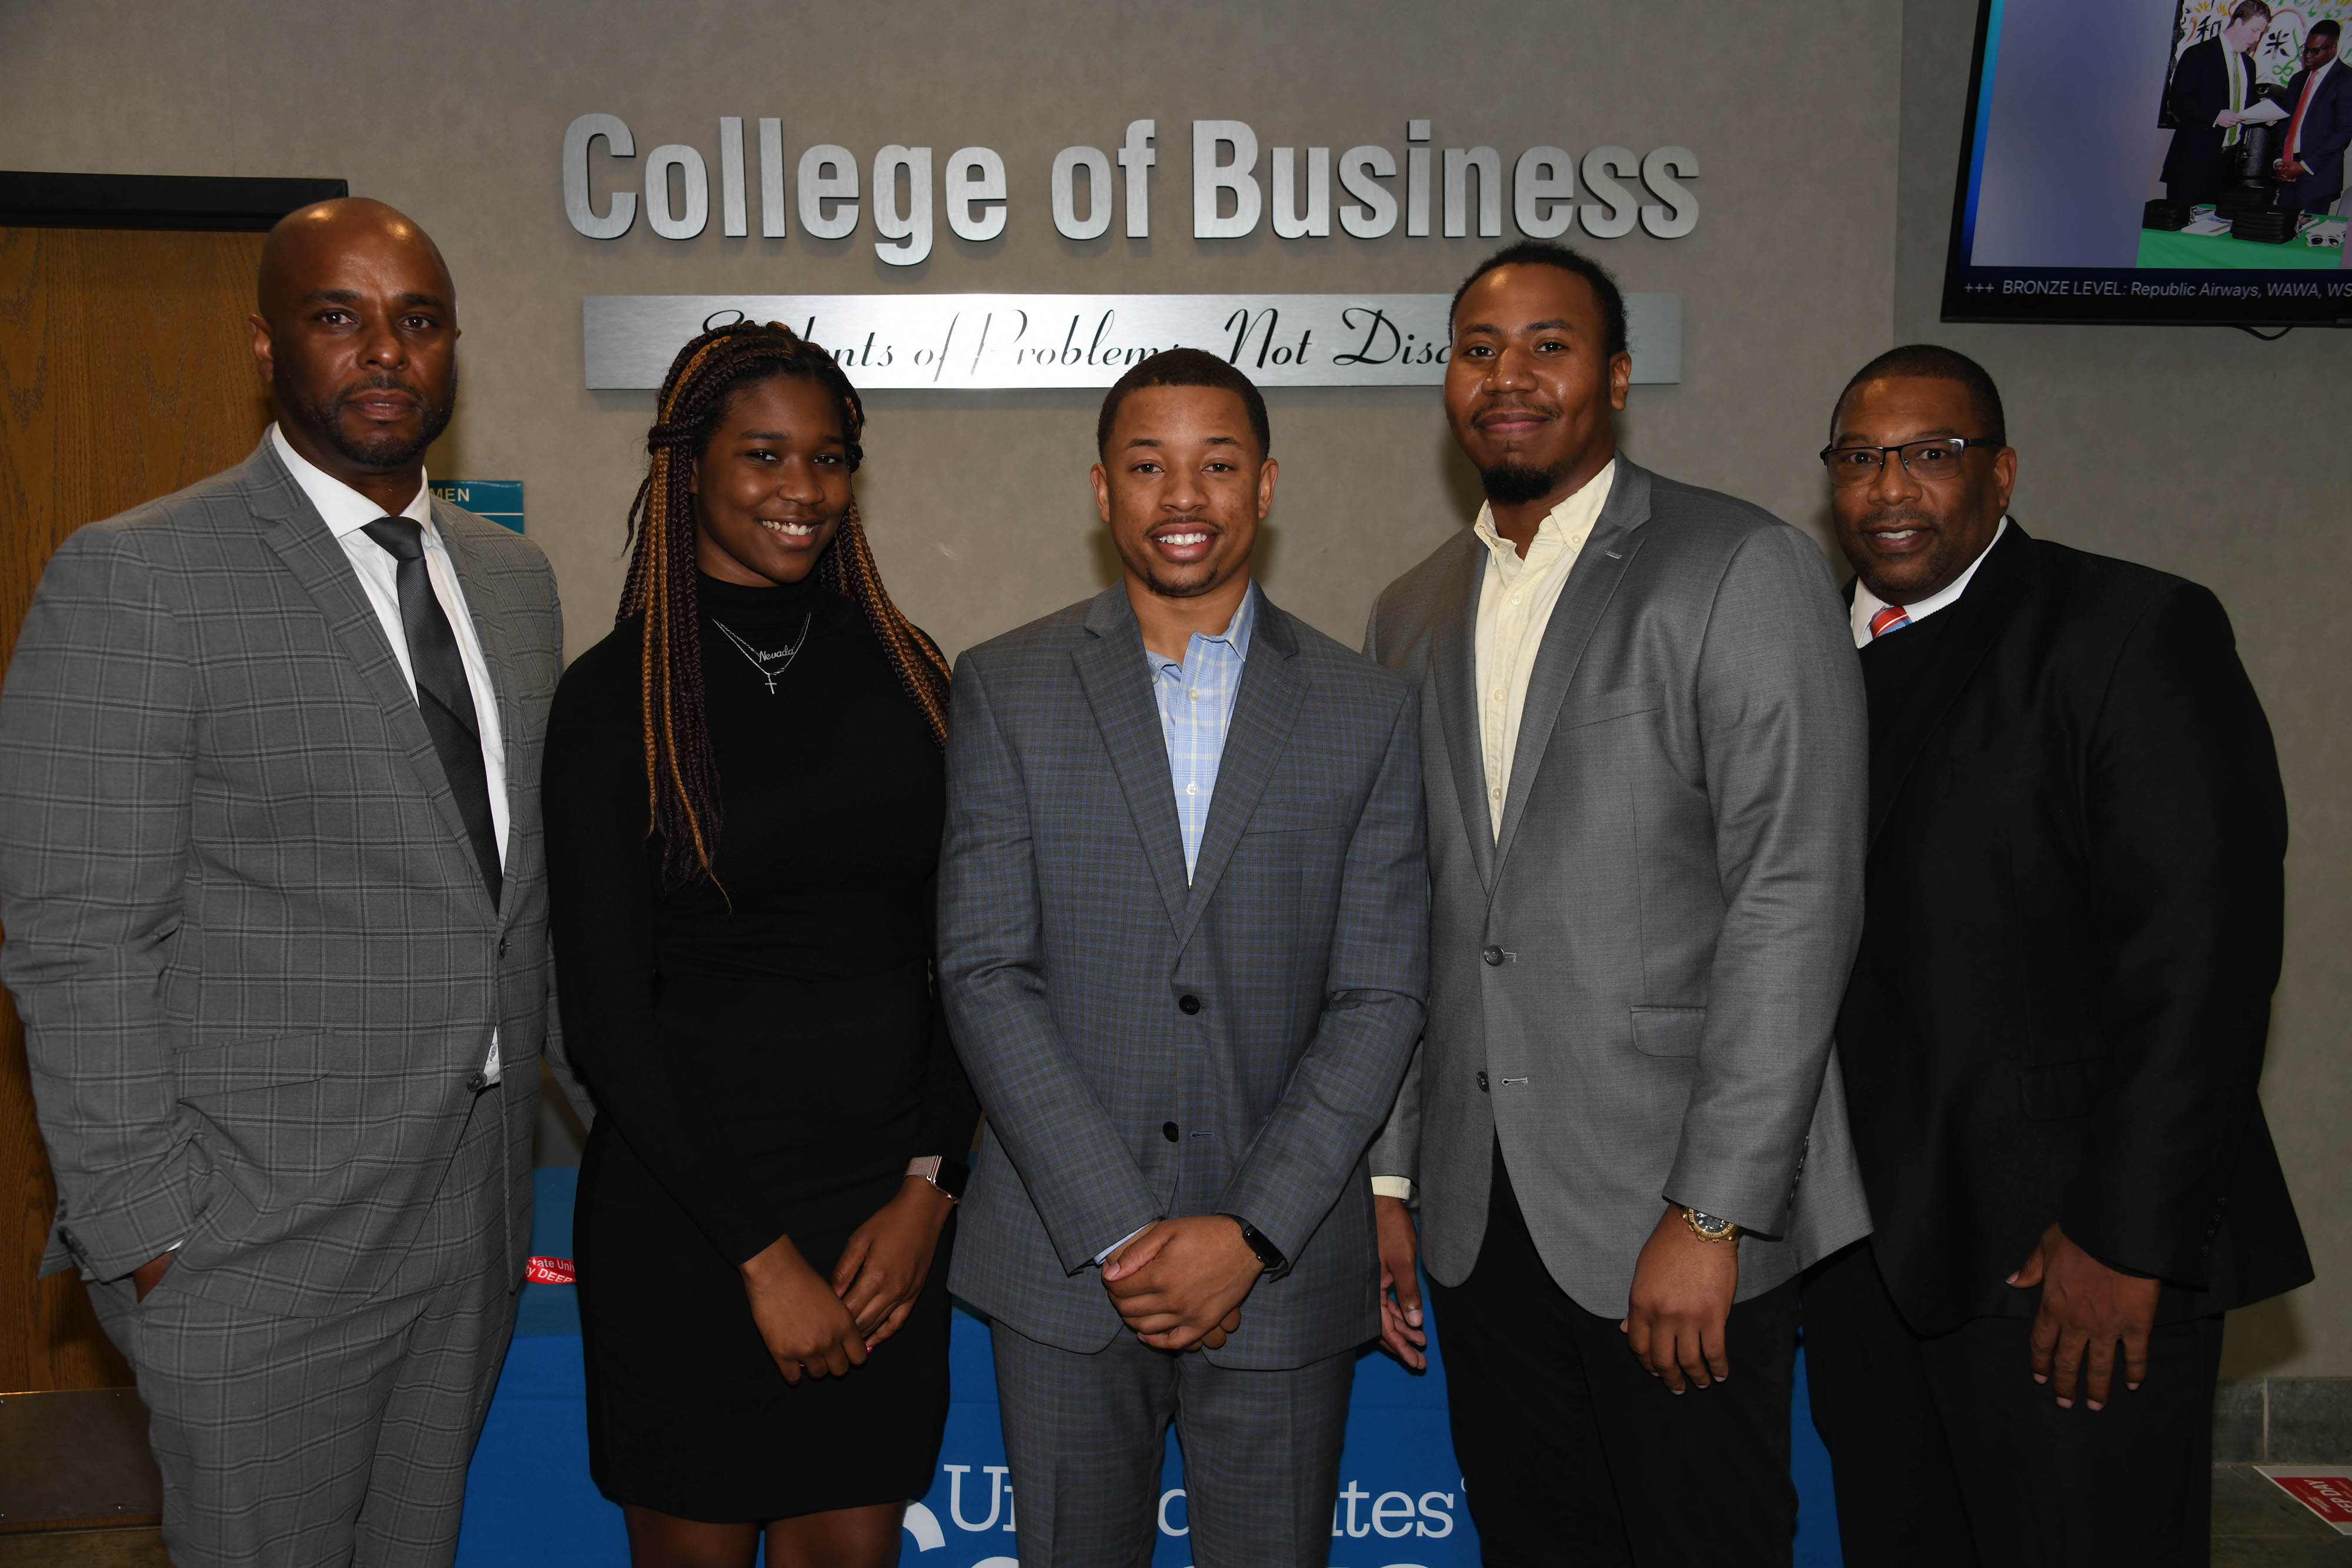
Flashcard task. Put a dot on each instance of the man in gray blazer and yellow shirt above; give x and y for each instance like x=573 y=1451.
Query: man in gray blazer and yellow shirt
x=1643 y=745
x=1182 y=928
x=276 y=906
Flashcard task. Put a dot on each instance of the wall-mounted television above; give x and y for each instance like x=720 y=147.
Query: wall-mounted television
x=2155 y=160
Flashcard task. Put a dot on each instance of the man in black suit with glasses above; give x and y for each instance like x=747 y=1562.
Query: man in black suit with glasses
x=2054 y=1034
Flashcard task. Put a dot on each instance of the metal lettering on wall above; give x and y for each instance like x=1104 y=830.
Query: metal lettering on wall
x=967 y=341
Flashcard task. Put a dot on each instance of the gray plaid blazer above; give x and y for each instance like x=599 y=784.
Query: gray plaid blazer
x=1145 y=1048
x=1634 y=991
x=256 y=962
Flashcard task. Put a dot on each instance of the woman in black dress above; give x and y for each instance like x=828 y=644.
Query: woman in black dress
x=744 y=791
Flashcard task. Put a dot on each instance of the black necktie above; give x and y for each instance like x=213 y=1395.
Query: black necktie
x=443 y=696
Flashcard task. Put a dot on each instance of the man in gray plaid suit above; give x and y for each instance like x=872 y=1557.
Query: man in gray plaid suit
x=1182 y=913
x=275 y=906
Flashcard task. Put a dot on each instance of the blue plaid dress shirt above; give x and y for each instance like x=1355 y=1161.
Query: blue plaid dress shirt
x=1196 y=704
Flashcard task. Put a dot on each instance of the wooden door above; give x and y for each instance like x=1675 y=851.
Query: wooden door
x=126 y=372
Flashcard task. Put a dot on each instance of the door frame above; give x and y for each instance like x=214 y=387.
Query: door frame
x=118 y=202
x=233 y=203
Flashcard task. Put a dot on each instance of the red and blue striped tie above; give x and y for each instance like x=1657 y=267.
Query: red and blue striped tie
x=1888 y=620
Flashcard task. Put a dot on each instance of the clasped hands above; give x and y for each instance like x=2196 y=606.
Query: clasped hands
x=816 y=1327
x=1179 y=1283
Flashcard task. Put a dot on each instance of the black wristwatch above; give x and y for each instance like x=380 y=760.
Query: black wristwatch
x=1255 y=1240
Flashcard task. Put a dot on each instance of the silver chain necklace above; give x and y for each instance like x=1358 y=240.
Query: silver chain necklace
x=760 y=658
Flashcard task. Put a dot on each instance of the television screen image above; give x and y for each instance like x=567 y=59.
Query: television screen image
x=2155 y=163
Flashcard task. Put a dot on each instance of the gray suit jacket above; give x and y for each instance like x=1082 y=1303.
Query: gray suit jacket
x=1144 y=1048
x=255 y=958
x=1634 y=990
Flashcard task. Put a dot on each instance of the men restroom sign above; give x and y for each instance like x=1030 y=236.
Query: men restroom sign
x=499 y=501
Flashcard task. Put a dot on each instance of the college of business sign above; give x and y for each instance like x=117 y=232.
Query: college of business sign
x=974 y=340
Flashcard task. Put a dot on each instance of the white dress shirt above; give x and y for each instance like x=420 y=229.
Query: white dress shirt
x=1867 y=604
x=1515 y=599
x=347 y=513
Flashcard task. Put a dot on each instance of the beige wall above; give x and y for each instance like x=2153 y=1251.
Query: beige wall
x=977 y=501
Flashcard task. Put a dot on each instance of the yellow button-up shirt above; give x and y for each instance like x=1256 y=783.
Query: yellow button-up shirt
x=1515 y=606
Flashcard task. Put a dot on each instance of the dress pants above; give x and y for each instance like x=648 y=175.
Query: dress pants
x=286 y=1442
x=1947 y=1452
x=1084 y=1435
x=1572 y=1453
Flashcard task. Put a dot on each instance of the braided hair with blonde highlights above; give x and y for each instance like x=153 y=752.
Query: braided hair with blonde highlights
x=681 y=782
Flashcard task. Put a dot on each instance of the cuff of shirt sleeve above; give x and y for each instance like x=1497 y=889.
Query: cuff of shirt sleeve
x=1398 y=1187
x=1123 y=1240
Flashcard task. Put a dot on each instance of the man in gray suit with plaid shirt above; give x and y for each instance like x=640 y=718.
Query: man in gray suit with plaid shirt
x=275 y=906
x=1182 y=929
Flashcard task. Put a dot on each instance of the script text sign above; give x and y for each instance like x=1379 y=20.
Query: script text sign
x=967 y=341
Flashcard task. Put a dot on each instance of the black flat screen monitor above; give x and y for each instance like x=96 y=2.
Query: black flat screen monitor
x=2112 y=170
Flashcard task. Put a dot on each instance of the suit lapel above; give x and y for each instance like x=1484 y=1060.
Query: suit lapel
x=1453 y=673
x=1117 y=683
x=1977 y=622
x=301 y=539
x=1592 y=582
x=1263 y=710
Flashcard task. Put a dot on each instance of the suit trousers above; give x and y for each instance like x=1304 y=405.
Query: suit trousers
x=1083 y=1435
x=1947 y=1454
x=342 y=1439
x=1572 y=1452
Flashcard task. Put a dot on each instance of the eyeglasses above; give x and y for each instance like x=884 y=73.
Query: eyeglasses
x=1929 y=461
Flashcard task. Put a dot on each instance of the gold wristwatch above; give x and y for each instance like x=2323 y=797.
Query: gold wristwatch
x=1707 y=1228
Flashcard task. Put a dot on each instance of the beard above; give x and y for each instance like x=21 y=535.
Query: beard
x=1171 y=588
x=377 y=448
x=1516 y=483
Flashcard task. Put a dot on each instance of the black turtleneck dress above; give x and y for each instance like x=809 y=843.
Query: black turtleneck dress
x=765 y=1060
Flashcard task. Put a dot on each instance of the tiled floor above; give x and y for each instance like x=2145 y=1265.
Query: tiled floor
x=2256 y=1525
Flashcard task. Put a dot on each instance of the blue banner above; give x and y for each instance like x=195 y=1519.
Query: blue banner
x=529 y=1499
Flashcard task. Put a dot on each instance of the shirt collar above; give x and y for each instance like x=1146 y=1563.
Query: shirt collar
x=1568 y=521
x=1867 y=604
x=1236 y=635
x=346 y=511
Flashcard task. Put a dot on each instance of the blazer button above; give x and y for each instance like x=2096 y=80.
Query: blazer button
x=1188 y=1005
x=1168 y=1130
x=479 y=1082
x=502 y=946
x=1494 y=955
x=1482 y=1084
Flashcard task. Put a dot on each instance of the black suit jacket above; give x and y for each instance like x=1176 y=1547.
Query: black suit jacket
x=2074 y=900
x=2327 y=130
x=2196 y=166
